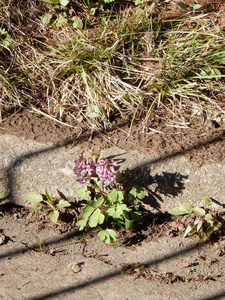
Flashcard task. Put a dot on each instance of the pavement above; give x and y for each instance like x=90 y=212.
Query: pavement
x=28 y=166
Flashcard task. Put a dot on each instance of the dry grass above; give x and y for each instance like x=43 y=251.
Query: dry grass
x=125 y=63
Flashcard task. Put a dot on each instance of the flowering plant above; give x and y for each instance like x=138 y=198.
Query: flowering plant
x=101 y=169
x=108 y=199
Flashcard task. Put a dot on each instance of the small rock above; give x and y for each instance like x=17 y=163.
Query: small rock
x=2 y=238
x=75 y=267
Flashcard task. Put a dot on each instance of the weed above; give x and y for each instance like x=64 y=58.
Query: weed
x=208 y=220
x=108 y=201
x=46 y=203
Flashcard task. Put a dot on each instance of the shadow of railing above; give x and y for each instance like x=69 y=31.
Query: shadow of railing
x=111 y=275
x=216 y=296
x=12 y=183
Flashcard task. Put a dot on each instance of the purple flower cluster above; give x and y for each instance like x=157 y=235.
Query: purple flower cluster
x=84 y=169
x=106 y=171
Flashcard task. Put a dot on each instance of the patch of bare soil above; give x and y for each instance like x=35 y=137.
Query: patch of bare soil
x=151 y=226
x=202 y=141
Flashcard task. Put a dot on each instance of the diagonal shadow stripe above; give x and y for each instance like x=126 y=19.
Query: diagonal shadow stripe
x=114 y=274
x=215 y=296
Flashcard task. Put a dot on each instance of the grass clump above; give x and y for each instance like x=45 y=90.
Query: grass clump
x=124 y=61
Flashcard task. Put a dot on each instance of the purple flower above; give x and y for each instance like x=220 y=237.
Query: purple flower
x=84 y=169
x=107 y=172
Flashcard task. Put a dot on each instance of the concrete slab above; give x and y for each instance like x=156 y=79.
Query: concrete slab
x=26 y=165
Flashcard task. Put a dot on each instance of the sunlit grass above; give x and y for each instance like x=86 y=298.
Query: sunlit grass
x=123 y=64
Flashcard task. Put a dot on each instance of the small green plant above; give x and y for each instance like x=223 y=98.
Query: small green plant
x=5 y=38
x=46 y=203
x=184 y=6
x=59 y=16
x=107 y=200
x=208 y=219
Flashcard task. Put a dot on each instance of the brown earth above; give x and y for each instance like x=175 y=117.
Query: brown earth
x=202 y=141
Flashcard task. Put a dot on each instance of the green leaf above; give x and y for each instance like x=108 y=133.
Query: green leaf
x=82 y=223
x=54 y=215
x=211 y=204
x=199 y=211
x=208 y=217
x=83 y=192
x=76 y=22
x=4 y=195
x=88 y=210
x=207 y=200
x=61 y=20
x=133 y=193
x=92 y=11
x=198 y=225
x=117 y=211
x=51 y=1
x=202 y=236
x=33 y=197
x=221 y=210
x=48 y=195
x=96 y=218
x=139 y=12
x=138 y=191
x=47 y=208
x=96 y=203
x=209 y=230
x=3 y=31
x=63 y=203
x=135 y=215
x=218 y=226
x=182 y=5
x=115 y=196
x=36 y=207
x=219 y=56
x=114 y=212
x=128 y=224
x=119 y=222
x=64 y=2
x=183 y=209
x=197 y=6
x=107 y=235
x=7 y=41
x=46 y=18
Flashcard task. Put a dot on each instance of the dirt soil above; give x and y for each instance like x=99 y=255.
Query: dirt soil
x=203 y=140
